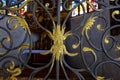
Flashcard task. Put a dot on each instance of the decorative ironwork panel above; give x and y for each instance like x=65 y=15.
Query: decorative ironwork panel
x=59 y=39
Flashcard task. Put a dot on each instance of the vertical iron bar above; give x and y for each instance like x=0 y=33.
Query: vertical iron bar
x=58 y=12
x=57 y=70
x=58 y=23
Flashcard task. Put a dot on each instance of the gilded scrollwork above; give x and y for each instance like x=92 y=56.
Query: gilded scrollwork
x=87 y=49
x=115 y=12
x=88 y=25
x=21 y=22
x=100 y=28
x=61 y=49
x=14 y=71
x=106 y=40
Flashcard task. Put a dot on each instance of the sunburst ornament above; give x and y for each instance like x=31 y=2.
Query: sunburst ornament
x=58 y=48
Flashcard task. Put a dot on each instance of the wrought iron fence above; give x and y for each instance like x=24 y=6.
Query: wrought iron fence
x=86 y=46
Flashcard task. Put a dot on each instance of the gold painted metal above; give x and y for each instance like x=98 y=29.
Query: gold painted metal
x=24 y=46
x=14 y=71
x=2 y=53
x=47 y=5
x=99 y=78
x=117 y=47
x=86 y=49
x=74 y=46
x=99 y=28
x=8 y=40
x=58 y=48
x=116 y=12
x=0 y=45
x=106 y=40
x=118 y=59
x=112 y=0
x=21 y=22
x=88 y=25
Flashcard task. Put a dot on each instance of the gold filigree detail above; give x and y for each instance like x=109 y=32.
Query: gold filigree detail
x=116 y=12
x=118 y=47
x=47 y=5
x=99 y=78
x=22 y=23
x=112 y=0
x=8 y=39
x=58 y=48
x=74 y=46
x=106 y=40
x=88 y=25
x=99 y=28
x=118 y=59
x=86 y=49
x=2 y=53
x=24 y=46
x=14 y=71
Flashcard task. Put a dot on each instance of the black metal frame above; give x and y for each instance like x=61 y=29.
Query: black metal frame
x=13 y=47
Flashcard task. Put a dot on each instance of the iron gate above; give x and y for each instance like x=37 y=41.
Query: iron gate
x=73 y=45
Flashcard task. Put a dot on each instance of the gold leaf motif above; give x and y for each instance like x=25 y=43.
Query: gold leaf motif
x=86 y=49
x=88 y=25
x=106 y=40
x=22 y=23
x=99 y=28
x=24 y=46
x=116 y=12
x=99 y=78
x=8 y=40
x=14 y=71
x=74 y=46
x=118 y=47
